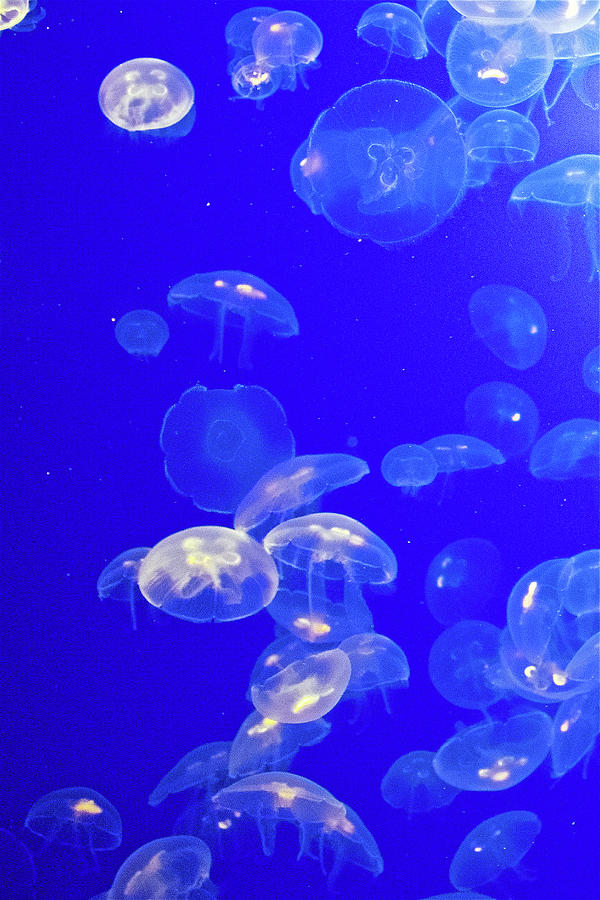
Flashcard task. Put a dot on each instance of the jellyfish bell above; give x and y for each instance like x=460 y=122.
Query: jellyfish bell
x=395 y=28
x=289 y=40
x=253 y=80
x=175 y=866
x=118 y=579
x=12 y=12
x=145 y=94
x=142 y=333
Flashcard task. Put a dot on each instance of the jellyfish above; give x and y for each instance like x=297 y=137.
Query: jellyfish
x=392 y=162
x=576 y=727
x=291 y=40
x=328 y=622
x=534 y=606
x=504 y=415
x=145 y=94
x=208 y=573
x=494 y=756
x=204 y=768
x=461 y=580
x=453 y=452
x=409 y=466
x=591 y=370
x=35 y=14
x=494 y=12
x=585 y=664
x=575 y=52
x=118 y=579
x=238 y=299
x=510 y=323
x=12 y=12
x=77 y=817
x=502 y=137
x=395 y=28
x=168 y=867
x=297 y=483
x=579 y=583
x=302 y=166
x=218 y=443
x=462 y=662
x=252 y=80
x=561 y=16
x=585 y=81
x=262 y=743
x=569 y=450
x=376 y=662
x=439 y=18
x=569 y=185
x=280 y=653
x=142 y=333
x=494 y=845
x=412 y=785
x=240 y=28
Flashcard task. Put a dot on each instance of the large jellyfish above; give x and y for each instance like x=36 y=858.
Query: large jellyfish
x=145 y=94
x=168 y=867
x=142 y=332
x=411 y=784
x=118 y=579
x=510 y=323
x=77 y=817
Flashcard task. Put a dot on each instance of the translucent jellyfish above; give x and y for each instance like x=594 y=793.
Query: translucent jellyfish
x=439 y=18
x=453 y=452
x=208 y=574
x=412 y=785
x=237 y=299
x=534 y=606
x=77 y=817
x=461 y=580
x=168 y=867
x=393 y=162
x=377 y=663
x=242 y=25
x=302 y=166
x=296 y=483
x=585 y=664
x=276 y=656
x=510 y=323
x=320 y=818
x=291 y=40
x=495 y=756
x=504 y=415
x=262 y=743
x=118 y=580
x=395 y=28
x=569 y=185
x=575 y=54
x=218 y=443
x=579 y=583
x=304 y=690
x=496 y=11
x=498 y=65
x=34 y=15
x=409 y=466
x=559 y=16
x=145 y=94
x=142 y=333
x=327 y=622
x=591 y=370
x=12 y=12
x=569 y=450
x=585 y=81
x=502 y=137
x=494 y=845
x=545 y=679
x=16 y=865
x=463 y=661
x=576 y=727
x=205 y=768
x=252 y=80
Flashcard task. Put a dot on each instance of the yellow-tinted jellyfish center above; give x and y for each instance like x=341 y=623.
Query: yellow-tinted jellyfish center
x=529 y=598
x=247 y=290
x=272 y=660
x=84 y=806
x=566 y=724
x=212 y=564
x=285 y=795
x=313 y=627
x=493 y=72
x=502 y=769
x=220 y=283
x=262 y=727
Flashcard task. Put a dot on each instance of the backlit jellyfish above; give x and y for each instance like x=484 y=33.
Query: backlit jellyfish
x=576 y=727
x=174 y=867
x=262 y=743
x=412 y=785
x=560 y=16
x=463 y=661
x=510 y=323
x=591 y=370
x=585 y=664
x=494 y=11
x=302 y=166
x=492 y=846
x=504 y=415
x=208 y=574
x=218 y=443
x=240 y=28
x=461 y=580
x=585 y=81
x=392 y=162
x=276 y=656
x=453 y=452
x=502 y=137
x=533 y=608
x=252 y=80
x=569 y=450
x=236 y=299
x=579 y=583
x=305 y=690
x=575 y=53
x=118 y=579
x=327 y=622
x=498 y=65
x=324 y=823
x=377 y=663
x=395 y=28
x=12 y=12
x=545 y=679
x=76 y=817
x=439 y=18
x=291 y=40
x=296 y=483
x=145 y=94
x=204 y=768
x=142 y=333
x=409 y=466
x=494 y=756
x=569 y=185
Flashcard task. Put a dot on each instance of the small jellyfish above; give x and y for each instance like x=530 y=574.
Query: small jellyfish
x=591 y=370
x=494 y=845
x=208 y=573
x=510 y=323
x=502 y=137
x=409 y=466
x=576 y=727
x=569 y=450
x=453 y=452
x=291 y=40
x=12 y=12
x=461 y=580
x=504 y=415
x=377 y=663
x=252 y=80
x=142 y=333
x=395 y=28
x=218 y=443
x=145 y=94
x=204 y=768
x=328 y=622
x=77 y=817
x=168 y=867
x=118 y=579
x=262 y=743
x=303 y=165
x=237 y=299
x=462 y=662
x=412 y=785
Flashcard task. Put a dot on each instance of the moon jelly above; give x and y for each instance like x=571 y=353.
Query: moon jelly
x=142 y=332
x=77 y=817
x=569 y=450
x=395 y=28
x=118 y=580
x=510 y=323
x=204 y=767
x=409 y=466
x=145 y=94
x=461 y=580
x=412 y=785
x=494 y=845
x=504 y=415
x=167 y=867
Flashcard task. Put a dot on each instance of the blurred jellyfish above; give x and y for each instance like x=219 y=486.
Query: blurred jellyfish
x=409 y=466
x=252 y=80
x=118 y=579
x=494 y=11
x=439 y=18
x=453 y=452
x=510 y=323
x=569 y=450
x=35 y=15
x=462 y=662
x=494 y=845
x=328 y=622
x=585 y=664
x=291 y=40
x=579 y=583
x=204 y=768
x=302 y=166
x=591 y=370
x=504 y=415
x=168 y=867
x=575 y=52
x=545 y=679
x=585 y=81
x=395 y=28
x=142 y=333
x=576 y=727
x=145 y=94
x=12 y=12
x=237 y=299
x=262 y=743
x=76 y=817
x=559 y=16
x=461 y=580
x=502 y=137
x=377 y=663
x=218 y=443
x=534 y=606
x=412 y=785
x=276 y=656
x=240 y=28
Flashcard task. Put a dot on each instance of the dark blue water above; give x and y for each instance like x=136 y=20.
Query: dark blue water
x=96 y=223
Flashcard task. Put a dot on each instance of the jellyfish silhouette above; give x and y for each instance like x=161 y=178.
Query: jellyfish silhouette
x=461 y=580
x=510 y=323
x=118 y=579
x=395 y=28
x=502 y=137
x=409 y=466
x=504 y=415
x=77 y=817
x=494 y=845
x=204 y=768
x=289 y=40
x=142 y=333
x=569 y=450
x=579 y=583
x=176 y=866
x=412 y=785
x=145 y=94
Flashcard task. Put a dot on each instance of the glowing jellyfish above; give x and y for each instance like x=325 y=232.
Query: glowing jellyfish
x=118 y=579
x=510 y=323
x=409 y=466
x=439 y=18
x=327 y=621
x=591 y=370
x=395 y=28
x=504 y=415
x=453 y=452
x=412 y=785
x=12 y=12
x=545 y=679
x=579 y=583
x=585 y=81
x=276 y=656
x=208 y=574
x=142 y=333
x=560 y=16
x=502 y=137
x=494 y=845
x=534 y=606
x=576 y=727
x=569 y=450
x=168 y=867
x=262 y=743
x=291 y=40
x=461 y=580
x=377 y=663
x=495 y=756
x=463 y=661
x=76 y=817
x=494 y=11
x=218 y=443
x=392 y=162
x=235 y=299
x=302 y=165
x=145 y=94
x=252 y=80
x=575 y=57
x=205 y=768
x=585 y=664
x=241 y=26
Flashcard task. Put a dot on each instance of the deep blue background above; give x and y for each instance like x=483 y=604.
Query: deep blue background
x=97 y=223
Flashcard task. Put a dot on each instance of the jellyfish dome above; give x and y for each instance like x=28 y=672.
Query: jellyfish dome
x=167 y=867
x=393 y=163
x=395 y=28
x=242 y=25
x=569 y=450
x=502 y=137
x=77 y=817
x=288 y=39
x=494 y=845
x=205 y=768
x=142 y=332
x=118 y=579
x=511 y=323
x=494 y=11
x=145 y=94
x=412 y=785
x=12 y=12
x=504 y=415
x=409 y=467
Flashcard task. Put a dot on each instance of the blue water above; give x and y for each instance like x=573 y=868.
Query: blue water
x=96 y=223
